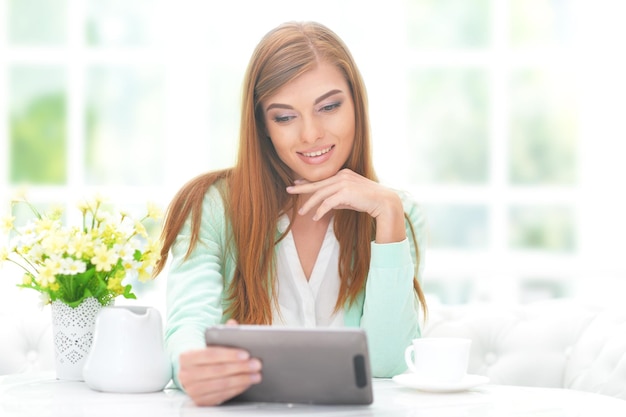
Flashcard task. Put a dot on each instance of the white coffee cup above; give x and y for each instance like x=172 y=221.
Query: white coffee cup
x=439 y=359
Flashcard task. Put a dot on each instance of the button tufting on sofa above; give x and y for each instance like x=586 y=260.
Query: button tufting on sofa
x=26 y=341
x=490 y=358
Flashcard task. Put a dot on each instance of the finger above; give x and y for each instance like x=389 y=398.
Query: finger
x=212 y=355
x=215 y=392
x=219 y=370
x=213 y=378
x=336 y=201
x=231 y=368
x=231 y=322
x=319 y=196
x=306 y=187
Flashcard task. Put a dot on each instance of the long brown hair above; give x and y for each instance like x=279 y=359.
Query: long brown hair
x=255 y=195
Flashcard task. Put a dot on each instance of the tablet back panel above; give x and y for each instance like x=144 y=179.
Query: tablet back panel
x=317 y=366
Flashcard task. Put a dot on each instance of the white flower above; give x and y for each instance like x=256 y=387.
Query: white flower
x=44 y=299
x=127 y=227
x=125 y=252
x=130 y=265
x=70 y=266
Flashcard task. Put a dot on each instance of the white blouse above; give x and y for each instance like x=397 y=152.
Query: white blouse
x=305 y=303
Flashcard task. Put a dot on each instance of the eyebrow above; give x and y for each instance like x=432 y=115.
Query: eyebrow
x=317 y=100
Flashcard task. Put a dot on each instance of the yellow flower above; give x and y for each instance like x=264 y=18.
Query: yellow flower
x=6 y=223
x=55 y=244
x=79 y=245
x=48 y=272
x=103 y=258
x=83 y=206
x=115 y=285
x=151 y=257
x=56 y=213
x=95 y=202
x=27 y=279
x=114 y=245
x=46 y=225
x=154 y=249
x=140 y=229
x=154 y=212
x=4 y=254
x=20 y=195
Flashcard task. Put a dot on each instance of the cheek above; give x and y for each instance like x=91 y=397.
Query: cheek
x=281 y=143
x=345 y=129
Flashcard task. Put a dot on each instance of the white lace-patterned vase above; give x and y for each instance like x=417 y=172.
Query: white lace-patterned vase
x=72 y=331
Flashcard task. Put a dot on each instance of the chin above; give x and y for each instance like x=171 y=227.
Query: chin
x=319 y=176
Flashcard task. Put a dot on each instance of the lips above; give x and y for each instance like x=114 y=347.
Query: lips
x=317 y=153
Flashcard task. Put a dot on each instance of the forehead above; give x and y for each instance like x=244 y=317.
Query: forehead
x=311 y=85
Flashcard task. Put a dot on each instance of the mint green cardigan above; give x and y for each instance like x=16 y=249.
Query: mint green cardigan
x=388 y=309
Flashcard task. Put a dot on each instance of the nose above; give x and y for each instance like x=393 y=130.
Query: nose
x=312 y=129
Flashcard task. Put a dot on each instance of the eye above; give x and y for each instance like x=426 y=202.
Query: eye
x=283 y=118
x=330 y=107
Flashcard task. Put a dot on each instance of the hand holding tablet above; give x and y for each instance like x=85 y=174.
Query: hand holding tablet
x=316 y=366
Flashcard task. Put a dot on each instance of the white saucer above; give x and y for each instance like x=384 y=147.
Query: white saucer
x=414 y=381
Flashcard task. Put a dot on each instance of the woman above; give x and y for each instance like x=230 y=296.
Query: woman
x=299 y=232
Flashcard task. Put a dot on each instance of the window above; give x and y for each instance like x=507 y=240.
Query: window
x=502 y=117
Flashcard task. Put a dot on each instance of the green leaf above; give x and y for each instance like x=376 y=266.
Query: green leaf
x=128 y=292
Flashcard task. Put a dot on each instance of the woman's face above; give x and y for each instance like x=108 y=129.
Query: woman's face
x=311 y=123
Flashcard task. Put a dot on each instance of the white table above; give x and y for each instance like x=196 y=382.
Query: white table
x=41 y=395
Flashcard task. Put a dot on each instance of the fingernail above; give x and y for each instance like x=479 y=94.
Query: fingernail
x=243 y=355
x=255 y=364
x=255 y=378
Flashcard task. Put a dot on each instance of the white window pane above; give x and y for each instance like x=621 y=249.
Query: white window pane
x=541 y=23
x=448 y=23
x=124 y=22
x=457 y=226
x=37 y=22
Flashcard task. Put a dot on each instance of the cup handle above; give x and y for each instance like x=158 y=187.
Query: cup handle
x=408 y=359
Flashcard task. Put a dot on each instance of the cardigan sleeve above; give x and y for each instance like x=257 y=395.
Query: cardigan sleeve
x=391 y=309
x=195 y=285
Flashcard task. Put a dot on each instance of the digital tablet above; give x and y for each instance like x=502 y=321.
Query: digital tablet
x=315 y=366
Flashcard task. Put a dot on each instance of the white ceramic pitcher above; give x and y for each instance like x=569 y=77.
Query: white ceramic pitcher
x=127 y=354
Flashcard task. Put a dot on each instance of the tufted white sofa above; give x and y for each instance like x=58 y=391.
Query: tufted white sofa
x=561 y=344
x=26 y=341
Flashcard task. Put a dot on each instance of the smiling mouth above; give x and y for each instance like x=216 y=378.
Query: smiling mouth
x=317 y=153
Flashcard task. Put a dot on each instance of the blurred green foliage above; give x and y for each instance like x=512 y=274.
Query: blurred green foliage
x=545 y=227
x=38 y=142
x=543 y=129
